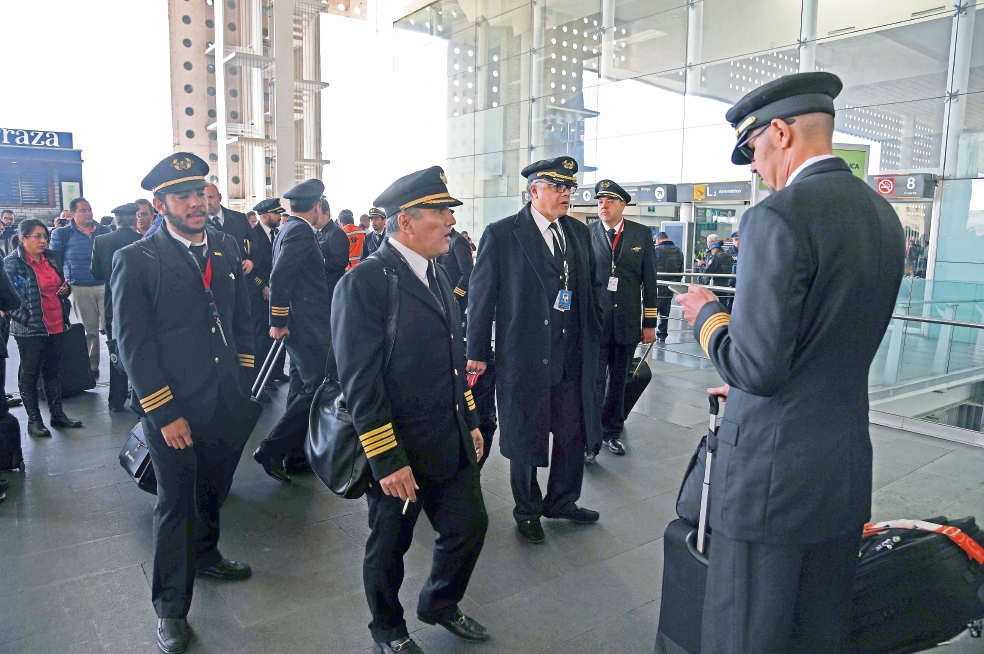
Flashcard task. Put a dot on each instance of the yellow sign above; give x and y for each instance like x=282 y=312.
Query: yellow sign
x=700 y=192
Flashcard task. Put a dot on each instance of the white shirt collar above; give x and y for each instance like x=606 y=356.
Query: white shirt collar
x=618 y=226
x=418 y=264
x=182 y=240
x=266 y=230
x=544 y=226
x=808 y=162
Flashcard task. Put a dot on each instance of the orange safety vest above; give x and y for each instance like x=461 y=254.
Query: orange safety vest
x=356 y=235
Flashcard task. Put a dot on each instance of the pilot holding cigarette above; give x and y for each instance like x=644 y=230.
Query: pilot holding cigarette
x=416 y=416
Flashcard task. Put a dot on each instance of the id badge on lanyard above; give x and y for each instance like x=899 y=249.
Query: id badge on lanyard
x=563 y=301
x=613 y=280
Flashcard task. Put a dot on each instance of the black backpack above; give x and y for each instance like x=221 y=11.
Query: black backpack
x=914 y=589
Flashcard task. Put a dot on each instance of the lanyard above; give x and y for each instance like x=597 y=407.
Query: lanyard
x=207 y=281
x=618 y=235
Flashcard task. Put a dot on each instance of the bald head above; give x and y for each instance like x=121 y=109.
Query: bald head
x=214 y=199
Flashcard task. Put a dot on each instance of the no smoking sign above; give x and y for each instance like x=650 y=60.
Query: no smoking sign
x=886 y=186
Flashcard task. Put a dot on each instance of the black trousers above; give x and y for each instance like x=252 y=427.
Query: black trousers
x=119 y=383
x=566 y=460
x=192 y=485
x=663 y=305
x=613 y=369
x=39 y=357
x=307 y=371
x=456 y=509
x=763 y=598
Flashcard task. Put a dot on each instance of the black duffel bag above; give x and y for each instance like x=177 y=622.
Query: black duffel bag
x=332 y=446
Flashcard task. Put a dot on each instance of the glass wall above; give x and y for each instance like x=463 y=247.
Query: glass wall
x=637 y=90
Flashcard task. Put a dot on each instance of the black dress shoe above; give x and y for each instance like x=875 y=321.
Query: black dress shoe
x=273 y=467
x=264 y=397
x=531 y=531
x=583 y=516
x=589 y=458
x=173 y=635
x=400 y=646
x=296 y=465
x=226 y=570
x=14 y=401
x=37 y=429
x=460 y=625
x=64 y=421
x=615 y=446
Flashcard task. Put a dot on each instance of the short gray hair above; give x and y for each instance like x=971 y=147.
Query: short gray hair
x=393 y=222
x=530 y=183
x=713 y=237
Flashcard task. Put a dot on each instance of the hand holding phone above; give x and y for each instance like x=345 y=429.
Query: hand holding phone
x=680 y=288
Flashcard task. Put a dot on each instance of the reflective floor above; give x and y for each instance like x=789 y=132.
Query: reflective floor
x=75 y=542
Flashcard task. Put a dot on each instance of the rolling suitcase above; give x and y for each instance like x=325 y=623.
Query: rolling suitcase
x=11 y=456
x=685 y=567
x=639 y=377
x=73 y=366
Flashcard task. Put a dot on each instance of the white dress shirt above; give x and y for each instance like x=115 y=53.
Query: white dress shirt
x=185 y=242
x=544 y=226
x=267 y=230
x=418 y=264
x=220 y=217
x=808 y=162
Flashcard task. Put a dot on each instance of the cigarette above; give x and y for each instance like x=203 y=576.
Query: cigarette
x=405 y=505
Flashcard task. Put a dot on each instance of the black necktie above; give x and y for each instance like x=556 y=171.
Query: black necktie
x=199 y=252
x=215 y=223
x=273 y=234
x=432 y=283
x=611 y=236
x=559 y=249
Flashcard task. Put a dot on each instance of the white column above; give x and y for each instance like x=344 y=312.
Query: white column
x=808 y=37
x=607 y=39
x=695 y=39
x=221 y=112
x=961 y=40
x=537 y=104
x=283 y=95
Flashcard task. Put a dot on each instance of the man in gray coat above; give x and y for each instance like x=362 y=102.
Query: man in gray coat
x=791 y=482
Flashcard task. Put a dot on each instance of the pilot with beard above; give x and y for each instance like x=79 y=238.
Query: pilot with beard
x=184 y=334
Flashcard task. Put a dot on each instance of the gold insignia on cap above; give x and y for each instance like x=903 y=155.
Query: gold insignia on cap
x=181 y=164
x=569 y=164
x=444 y=179
x=605 y=184
x=745 y=123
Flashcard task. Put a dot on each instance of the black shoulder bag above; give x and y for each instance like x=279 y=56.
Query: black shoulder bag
x=332 y=446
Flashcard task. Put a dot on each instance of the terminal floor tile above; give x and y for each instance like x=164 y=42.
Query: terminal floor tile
x=76 y=548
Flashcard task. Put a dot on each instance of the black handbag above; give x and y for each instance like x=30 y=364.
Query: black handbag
x=135 y=459
x=332 y=446
x=695 y=478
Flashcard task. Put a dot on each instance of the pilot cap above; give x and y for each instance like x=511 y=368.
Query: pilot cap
x=270 y=205
x=424 y=188
x=561 y=170
x=606 y=188
x=181 y=171
x=788 y=96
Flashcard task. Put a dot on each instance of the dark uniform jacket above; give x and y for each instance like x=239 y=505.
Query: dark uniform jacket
x=418 y=411
x=794 y=457
x=262 y=265
x=300 y=298
x=372 y=242
x=635 y=268
x=722 y=263
x=28 y=318
x=236 y=224
x=669 y=259
x=168 y=341
x=458 y=264
x=103 y=249
x=509 y=285
x=334 y=245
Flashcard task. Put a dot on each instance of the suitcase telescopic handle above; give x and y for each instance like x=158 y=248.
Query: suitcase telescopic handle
x=714 y=401
x=645 y=356
x=272 y=354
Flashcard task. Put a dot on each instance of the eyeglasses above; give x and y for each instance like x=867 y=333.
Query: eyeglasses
x=39 y=237
x=750 y=152
x=560 y=188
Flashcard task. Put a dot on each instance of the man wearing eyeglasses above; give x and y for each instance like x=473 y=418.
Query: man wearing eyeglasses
x=791 y=480
x=533 y=276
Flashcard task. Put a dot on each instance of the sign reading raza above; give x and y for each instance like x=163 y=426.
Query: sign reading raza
x=36 y=138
